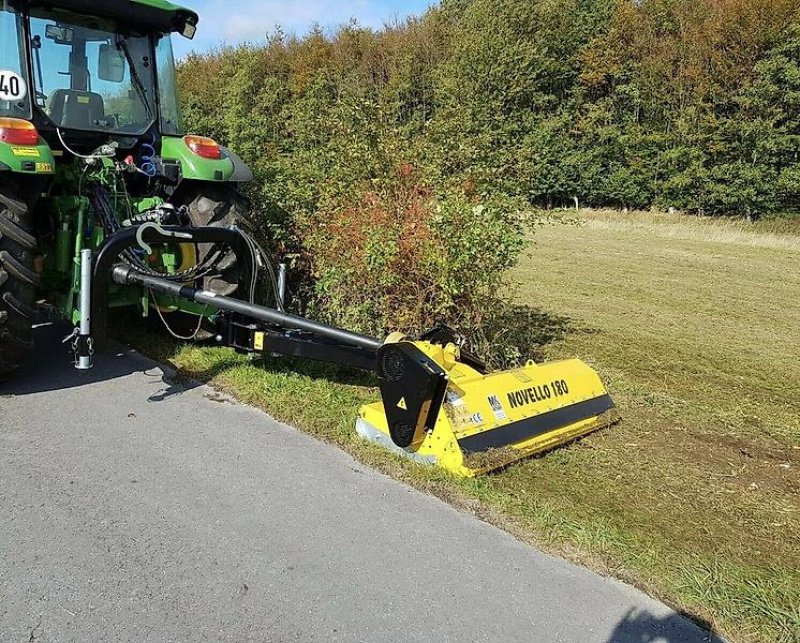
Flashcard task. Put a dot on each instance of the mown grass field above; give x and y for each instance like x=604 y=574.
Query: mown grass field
x=695 y=497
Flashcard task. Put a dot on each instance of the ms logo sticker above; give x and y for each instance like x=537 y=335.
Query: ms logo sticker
x=497 y=407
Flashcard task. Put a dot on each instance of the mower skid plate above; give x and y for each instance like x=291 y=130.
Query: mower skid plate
x=489 y=421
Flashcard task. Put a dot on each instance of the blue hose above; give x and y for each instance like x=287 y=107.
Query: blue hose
x=148 y=165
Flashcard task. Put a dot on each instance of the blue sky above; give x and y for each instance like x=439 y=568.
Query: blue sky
x=236 y=21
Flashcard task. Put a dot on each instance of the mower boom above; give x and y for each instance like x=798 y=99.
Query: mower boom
x=436 y=408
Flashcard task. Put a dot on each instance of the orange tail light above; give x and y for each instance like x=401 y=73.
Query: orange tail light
x=16 y=131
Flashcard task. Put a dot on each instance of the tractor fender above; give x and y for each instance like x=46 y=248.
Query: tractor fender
x=241 y=171
x=229 y=168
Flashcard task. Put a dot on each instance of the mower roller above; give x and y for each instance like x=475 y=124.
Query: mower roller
x=105 y=203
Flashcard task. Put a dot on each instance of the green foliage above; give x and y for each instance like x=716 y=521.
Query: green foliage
x=697 y=93
x=403 y=256
x=691 y=104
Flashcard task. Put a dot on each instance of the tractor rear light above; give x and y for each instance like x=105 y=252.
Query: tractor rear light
x=203 y=146
x=16 y=131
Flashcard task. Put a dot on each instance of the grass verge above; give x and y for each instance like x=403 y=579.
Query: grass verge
x=694 y=498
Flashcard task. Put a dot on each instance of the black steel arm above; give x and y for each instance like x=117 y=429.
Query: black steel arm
x=124 y=275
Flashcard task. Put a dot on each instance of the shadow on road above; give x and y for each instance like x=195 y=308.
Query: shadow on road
x=51 y=368
x=639 y=626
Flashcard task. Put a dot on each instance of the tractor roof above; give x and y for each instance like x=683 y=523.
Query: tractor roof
x=152 y=15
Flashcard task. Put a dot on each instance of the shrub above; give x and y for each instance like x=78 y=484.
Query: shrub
x=400 y=256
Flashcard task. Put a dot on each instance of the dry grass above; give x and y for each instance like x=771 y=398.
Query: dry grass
x=770 y=233
x=694 y=325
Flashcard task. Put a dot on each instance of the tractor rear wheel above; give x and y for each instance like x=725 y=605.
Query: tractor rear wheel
x=215 y=206
x=18 y=283
x=219 y=206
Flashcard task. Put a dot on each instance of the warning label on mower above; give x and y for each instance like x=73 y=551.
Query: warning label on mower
x=539 y=393
x=454 y=398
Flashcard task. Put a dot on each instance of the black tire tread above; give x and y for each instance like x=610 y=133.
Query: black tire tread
x=18 y=283
x=16 y=269
x=212 y=205
x=21 y=309
x=17 y=233
x=219 y=206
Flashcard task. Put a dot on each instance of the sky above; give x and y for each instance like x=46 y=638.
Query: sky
x=234 y=21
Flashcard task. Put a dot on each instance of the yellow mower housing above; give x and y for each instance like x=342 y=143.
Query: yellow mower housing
x=438 y=410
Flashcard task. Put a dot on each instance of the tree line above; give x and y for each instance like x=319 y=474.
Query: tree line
x=691 y=104
x=418 y=142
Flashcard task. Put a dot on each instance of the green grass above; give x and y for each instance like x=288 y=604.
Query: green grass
x=694 y=325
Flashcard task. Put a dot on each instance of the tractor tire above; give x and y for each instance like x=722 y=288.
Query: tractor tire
x=18 y=284
x=219 y=206
x=215 y=206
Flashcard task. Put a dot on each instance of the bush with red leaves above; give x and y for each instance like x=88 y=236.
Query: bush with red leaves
x=400 y=256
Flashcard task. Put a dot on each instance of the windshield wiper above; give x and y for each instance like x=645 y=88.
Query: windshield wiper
x=137 y=82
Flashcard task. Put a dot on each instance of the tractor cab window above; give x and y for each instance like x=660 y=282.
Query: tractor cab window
x=171 y=122
x=89 y=77
x=14 y=89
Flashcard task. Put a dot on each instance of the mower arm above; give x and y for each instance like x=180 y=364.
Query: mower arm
x=436 y=407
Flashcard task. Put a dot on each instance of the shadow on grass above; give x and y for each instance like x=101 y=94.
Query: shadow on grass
x=318 y=370
x=516 y=333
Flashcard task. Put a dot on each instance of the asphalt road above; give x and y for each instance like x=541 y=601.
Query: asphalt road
x=134 y=507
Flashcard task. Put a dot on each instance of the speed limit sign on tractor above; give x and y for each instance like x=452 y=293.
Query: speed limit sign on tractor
x=13 y=87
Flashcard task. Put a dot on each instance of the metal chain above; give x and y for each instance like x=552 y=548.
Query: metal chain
x=184 y=338
x=73 y=339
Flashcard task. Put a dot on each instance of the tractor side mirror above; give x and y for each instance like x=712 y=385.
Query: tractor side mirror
x=111 y=64
x=58 y=34
x=186 y=24
x=188 y=30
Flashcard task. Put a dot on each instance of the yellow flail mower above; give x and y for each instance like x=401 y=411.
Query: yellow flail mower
x=442 y=409
x=439 y=404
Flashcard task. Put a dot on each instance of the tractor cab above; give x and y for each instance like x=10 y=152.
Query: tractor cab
x=92 y=71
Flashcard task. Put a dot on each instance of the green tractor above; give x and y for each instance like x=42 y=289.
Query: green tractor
x=91 y=143
x=105 y=203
